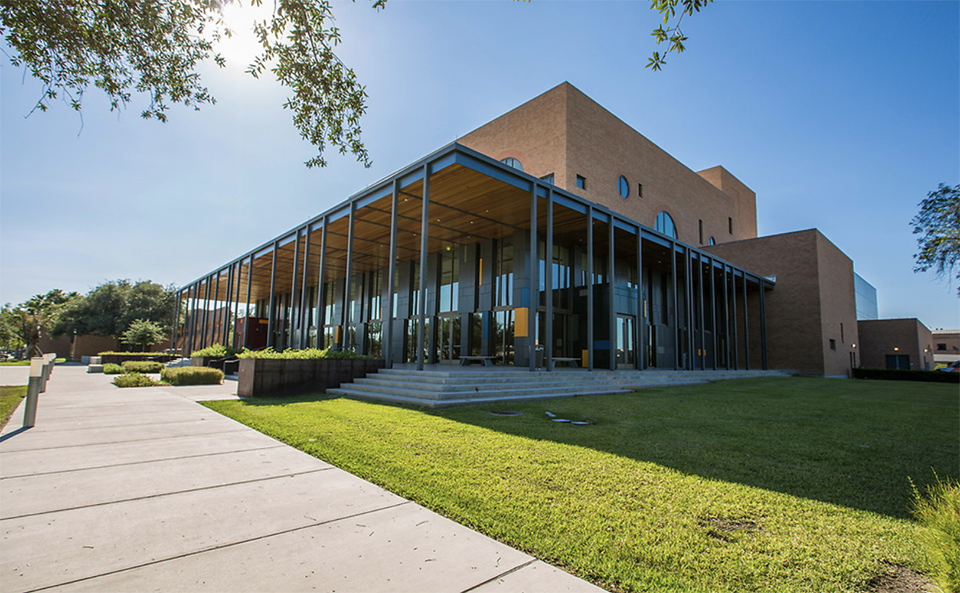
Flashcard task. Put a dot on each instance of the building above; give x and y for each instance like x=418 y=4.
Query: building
x=812 y=325
x=946 y=346
x=896 y=344
x=554 y=234
x=866 y=298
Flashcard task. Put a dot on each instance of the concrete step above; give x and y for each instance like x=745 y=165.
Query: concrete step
x=437 y=387
x=479 y=398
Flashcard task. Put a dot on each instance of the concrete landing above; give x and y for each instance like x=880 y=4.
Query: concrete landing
x=144 y=489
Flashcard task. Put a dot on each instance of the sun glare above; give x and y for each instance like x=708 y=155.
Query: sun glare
x=241 y=47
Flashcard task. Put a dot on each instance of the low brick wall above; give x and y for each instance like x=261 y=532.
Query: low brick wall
x=265 y=377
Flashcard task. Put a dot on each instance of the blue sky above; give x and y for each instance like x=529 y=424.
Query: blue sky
x=840 y=115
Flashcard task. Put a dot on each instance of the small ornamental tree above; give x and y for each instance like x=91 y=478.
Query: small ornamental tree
x=143 y=333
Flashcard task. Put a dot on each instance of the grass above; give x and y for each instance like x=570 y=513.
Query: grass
x=9 y=400
x=938 y=511
x=761 y=485
x=23 y=363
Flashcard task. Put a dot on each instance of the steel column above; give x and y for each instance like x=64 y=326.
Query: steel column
x=641 y=310
x=763 y=326
x=424 y=234
x=322 y=287
x=345 y=312
x=174 y=326
x=246 y=306
x=713 y=311
x=702 y=351
x=387 y=318
x=736 y=322
x=291 y=319
x=534 y=303
x=227 y=301
x=746 y=326
x=611 y=297
x=676 y=305
x=270 y=303
x=548 y=285
x=590 y=287
x=688 y=295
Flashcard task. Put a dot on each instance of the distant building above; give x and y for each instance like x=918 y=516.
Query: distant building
x=946 y=346
x=896 y=344
x=866 y=298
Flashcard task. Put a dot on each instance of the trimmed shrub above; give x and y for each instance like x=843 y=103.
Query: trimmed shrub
x=305 y=354
x=192 y=376
x=141 y=366
x=215 y=351
x=113 y=369
x=905 y=375
x=133 y=380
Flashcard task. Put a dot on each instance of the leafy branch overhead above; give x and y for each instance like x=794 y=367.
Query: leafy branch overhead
x=938 y=224
x=153 y=47
x=670 y=33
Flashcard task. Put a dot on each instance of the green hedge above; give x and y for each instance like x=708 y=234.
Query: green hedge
x=215 y=351
x=142 y=366
x=133 y=380
x=192 y=376
x=905 y=375
x=113 y=369
x=305 y=354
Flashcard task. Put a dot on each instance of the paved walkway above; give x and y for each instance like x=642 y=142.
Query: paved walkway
x=146 y=490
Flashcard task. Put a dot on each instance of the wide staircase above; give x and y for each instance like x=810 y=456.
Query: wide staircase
x=452 y=386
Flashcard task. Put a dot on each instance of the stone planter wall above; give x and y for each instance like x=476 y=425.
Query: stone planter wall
x=265 y=377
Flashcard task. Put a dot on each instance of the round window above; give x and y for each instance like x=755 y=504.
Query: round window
x=664 y=224
x=624 y=187
x=512 y=162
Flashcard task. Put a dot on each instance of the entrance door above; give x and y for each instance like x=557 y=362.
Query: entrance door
x=626 y=342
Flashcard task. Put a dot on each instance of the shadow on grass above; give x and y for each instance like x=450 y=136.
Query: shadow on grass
x=850 y=443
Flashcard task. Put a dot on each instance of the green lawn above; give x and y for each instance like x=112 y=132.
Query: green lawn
x=788 y=484
x=9 y=399
x=23 y=363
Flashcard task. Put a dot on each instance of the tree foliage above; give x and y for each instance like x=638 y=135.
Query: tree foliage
x=111 y=308
x=153 y=47
x=938 y=224
x=669 y=32
x=143 y=333
x=22 y=325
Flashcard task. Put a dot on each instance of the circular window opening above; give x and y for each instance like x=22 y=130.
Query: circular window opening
x=713 y=241
x=624 y=187
x=512 y=162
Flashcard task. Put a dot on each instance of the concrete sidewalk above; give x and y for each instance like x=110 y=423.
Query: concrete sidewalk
x=144 y=489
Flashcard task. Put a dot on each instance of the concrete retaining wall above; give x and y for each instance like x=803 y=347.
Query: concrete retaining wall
x=265 y=377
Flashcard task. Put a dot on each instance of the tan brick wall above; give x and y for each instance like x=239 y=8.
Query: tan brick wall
x=566 y=133
x=838 y=307
x=813 y=296
x=534 y=133
x=882 y=337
